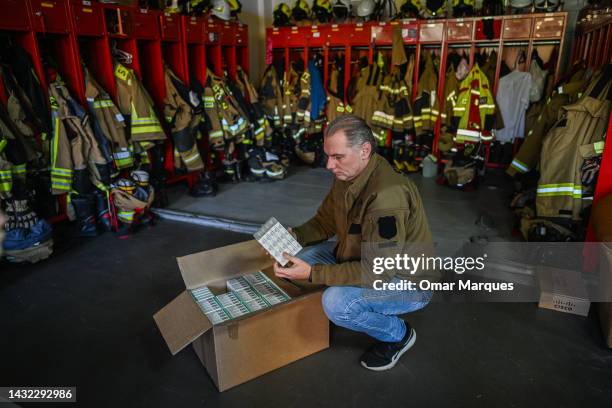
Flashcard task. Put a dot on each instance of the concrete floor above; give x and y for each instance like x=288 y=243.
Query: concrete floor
x=84 y=318
x=451 y=213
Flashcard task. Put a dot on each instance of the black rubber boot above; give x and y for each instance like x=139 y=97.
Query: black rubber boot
x=86 y=222
x=102 y=213
x=205 y=187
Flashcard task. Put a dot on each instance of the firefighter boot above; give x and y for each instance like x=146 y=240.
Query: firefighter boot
x=86 y=223
x=102 y=213
x=398 y=151
x=204 y=187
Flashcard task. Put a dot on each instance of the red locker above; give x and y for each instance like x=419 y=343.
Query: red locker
x=481 y=35
x=194 y=30
x=317 y=36
x=50 y=16
x=145 y=24
x=361 y=34
x=227 y=35
x=14 y=15
x=242 y=35
x=517 y=27
x=549 y=27
x=170 y=27
x=459 y=30
x=410 y=32
x=431 y=32
x=212 y=31
x=382 y=33
x=277 y=36
x=88 y=18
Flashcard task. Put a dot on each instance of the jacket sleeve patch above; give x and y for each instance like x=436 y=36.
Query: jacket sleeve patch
x=387 y=227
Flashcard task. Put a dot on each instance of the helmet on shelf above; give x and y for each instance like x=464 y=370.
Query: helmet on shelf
x=322 y=10
x=342 y=10
x=463 y=8
x=282 y=15
x=410 y=9
x=199 y=6
x=546 y=5
x=521 y=4
x=433 y=8
x=366 y=9
x=221 y=9
x=301 y=10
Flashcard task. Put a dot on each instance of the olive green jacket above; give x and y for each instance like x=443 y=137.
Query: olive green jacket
x=380 y=206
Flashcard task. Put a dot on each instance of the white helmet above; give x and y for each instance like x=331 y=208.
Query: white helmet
x=140 y=177
x=366 y=8
x=546 y=5
x=519 y=4
x=221 y=9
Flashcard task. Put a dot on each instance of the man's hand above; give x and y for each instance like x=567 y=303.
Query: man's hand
x=268 y=254
x=300 y=270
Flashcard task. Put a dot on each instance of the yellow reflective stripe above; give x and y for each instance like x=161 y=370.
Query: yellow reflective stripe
x=19 y=168
x=55 y=139
x=105 y=103
x=137 y=130
x=548 y=190
x=519 y=165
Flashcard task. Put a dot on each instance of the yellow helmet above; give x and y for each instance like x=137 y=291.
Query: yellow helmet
x=282 y=15
x=301 y=10
x=322 y=10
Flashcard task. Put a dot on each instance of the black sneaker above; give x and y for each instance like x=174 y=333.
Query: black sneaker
x=383 y=355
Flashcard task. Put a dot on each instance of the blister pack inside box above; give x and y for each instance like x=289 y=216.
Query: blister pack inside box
x=245 y=294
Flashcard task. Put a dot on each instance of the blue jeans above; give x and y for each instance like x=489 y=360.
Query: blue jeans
x=370 y=311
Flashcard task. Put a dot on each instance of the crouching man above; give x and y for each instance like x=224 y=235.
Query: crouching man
x=368 y=203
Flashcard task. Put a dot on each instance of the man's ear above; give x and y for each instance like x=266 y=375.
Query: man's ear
x=366 y=150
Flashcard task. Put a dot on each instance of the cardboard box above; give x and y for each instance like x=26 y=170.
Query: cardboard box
x=563 y=291
x=241 y=349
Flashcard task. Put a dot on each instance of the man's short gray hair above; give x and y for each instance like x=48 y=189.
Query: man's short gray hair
x=356 y=130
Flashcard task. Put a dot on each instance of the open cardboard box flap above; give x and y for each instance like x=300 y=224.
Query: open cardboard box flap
x=181 y=321
x=223 y=263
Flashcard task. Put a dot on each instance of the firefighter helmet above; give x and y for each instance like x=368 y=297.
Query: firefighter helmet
x=282 y=15
x=235 y=7
x=463 y=8
x=301 y=10
x=366 y=9
x=342 y=10
x=521 y=4
x=385 y=10
x=322 y=10
x=410 y=9
x=221 y=9
x=140 y=177
x=199 y=6
x=546 y=5
x=434 y=8
x=126 y=185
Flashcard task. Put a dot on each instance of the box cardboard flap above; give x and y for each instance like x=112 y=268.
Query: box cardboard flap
x=222 y=263
x=181 y=322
